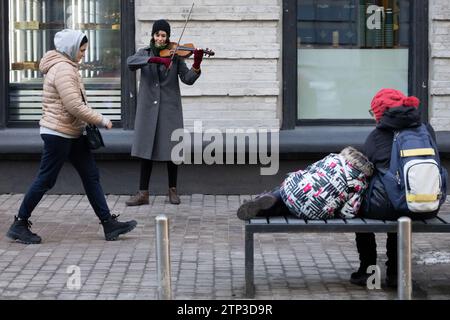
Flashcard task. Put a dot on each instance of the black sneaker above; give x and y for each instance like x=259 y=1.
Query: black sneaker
x=113 y=228
x=20 y=232
x=250 y=209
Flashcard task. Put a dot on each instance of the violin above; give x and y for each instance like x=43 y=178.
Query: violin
x=183 y=51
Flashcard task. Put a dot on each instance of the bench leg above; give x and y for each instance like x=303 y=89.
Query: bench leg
x=249 y=265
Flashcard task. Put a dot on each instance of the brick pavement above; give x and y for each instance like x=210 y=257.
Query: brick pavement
x=207 y=255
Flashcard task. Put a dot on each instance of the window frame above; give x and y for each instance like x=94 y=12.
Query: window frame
x=4 y=65
x=128 y=81
x=128 y=78
x=418 y=71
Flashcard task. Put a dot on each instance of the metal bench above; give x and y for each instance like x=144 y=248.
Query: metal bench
x=290 y=224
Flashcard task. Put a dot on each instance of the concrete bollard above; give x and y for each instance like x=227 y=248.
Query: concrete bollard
x=163 y=258
x=404 y=259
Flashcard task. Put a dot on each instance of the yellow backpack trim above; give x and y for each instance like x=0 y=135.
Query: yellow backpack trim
x=422 y=197
x=417 y=152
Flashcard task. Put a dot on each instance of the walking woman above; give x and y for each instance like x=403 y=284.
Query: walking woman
x=159 y=109
x=64 y=117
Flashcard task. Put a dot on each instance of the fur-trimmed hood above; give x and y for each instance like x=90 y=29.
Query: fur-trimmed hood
x=358 y=160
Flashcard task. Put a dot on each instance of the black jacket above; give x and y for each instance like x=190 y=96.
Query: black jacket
x=378 y=148
x=378 y=145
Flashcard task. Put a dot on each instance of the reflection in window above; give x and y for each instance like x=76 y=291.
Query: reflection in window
x=33 y=25
x=347 y=50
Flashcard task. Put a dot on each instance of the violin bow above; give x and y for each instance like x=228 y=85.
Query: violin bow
x=181 y=36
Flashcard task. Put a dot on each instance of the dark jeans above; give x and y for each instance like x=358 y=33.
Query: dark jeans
x=367 y=249
x=278 y=209
x=56 y=151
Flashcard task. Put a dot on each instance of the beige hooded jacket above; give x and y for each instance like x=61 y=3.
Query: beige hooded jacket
x=63 y=108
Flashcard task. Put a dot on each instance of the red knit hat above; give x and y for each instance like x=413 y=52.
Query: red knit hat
x=391 y=98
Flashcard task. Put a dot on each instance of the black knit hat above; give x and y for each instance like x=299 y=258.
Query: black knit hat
x=161 y=25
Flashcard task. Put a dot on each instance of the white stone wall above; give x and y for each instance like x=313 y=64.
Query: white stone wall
x=440 y=64
x=241 y=85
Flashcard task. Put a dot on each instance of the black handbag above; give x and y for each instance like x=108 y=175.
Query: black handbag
x=93 y=135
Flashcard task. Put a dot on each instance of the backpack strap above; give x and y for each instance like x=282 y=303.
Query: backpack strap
x=404 y=153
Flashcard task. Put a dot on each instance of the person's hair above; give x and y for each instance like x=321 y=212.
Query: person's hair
x=84 y=41
x=358 y=160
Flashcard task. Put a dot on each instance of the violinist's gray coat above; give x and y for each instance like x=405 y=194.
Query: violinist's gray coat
x=159 y=110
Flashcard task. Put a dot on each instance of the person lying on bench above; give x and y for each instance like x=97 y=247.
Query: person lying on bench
x=329 y=188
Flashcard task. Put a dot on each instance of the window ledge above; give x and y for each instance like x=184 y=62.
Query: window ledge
x=28 y=141
x=302 y=140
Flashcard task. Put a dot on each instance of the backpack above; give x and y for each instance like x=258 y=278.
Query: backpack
x=415 y=181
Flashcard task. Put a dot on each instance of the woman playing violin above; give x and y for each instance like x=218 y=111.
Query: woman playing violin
x=159 y=110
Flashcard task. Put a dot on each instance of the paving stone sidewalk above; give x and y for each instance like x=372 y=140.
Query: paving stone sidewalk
x=207 y=255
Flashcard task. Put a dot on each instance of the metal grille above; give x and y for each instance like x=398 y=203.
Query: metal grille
x=26 y=102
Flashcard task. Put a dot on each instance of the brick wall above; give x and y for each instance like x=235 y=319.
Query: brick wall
x=440 y=64
x=240 y=86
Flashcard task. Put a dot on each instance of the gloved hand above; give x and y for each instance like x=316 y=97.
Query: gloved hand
x=164 y=61
x=198 y=57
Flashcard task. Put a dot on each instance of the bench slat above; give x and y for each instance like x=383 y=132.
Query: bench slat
x=373 y=221
x=295 y=221
x=277 y=220
x=434 y=221
x=355 y=221
x=258 y=221
x=316 y=222
x=337 y=221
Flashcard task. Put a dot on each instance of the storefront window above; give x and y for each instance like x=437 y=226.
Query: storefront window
x=33 y=25
x=347 y=51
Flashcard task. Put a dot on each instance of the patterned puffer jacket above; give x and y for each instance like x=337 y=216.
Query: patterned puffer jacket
x=332 y=187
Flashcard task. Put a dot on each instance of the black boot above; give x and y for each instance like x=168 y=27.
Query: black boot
x=20 y=232
x=360 y=277
x=367 y=249
x=251 y=209
x=114 y=228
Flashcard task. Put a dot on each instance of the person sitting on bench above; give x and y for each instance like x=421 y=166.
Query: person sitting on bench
x=329 y=188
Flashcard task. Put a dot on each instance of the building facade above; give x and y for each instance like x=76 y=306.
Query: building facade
x=439 y=89
x=308 y=68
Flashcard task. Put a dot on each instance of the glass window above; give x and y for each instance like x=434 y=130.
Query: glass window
x=347 y=51
x=33 y=25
